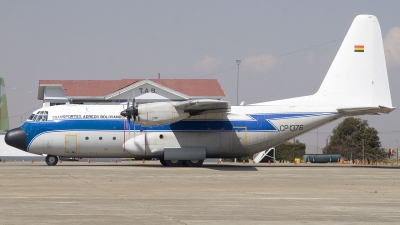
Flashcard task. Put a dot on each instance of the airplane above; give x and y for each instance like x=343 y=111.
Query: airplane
x=187 y=132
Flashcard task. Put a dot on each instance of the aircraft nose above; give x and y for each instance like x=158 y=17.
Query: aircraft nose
x=16 y=138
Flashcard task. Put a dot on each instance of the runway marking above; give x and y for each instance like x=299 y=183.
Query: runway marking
x=36 y=196
x=277 y=198
x=32 y=195
x=66 y=202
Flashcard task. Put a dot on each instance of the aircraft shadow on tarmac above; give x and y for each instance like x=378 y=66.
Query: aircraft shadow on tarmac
x=230 y=167
x=212 y=167
x=223 y=167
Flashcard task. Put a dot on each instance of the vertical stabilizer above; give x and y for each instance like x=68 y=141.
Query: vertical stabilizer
x=4 y=125
x=358 y=76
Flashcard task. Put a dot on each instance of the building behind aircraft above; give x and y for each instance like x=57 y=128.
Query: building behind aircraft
x=116 y=92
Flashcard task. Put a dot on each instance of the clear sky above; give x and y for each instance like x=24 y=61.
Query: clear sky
x=286 y=47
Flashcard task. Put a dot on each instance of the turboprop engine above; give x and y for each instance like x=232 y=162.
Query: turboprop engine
x=140 y=146
x=160 y=113
x=154 y=114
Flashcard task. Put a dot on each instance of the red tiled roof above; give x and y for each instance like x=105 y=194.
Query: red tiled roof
x=193 y=87
x=99 y=88
x=89 y=87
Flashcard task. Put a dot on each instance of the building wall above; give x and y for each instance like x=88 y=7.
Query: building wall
x=149 y=93
x=54 y=95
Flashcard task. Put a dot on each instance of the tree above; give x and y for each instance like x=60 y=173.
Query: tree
x=350 y=136
x=284 y=151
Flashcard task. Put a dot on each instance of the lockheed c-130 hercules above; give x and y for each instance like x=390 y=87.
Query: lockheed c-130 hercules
x=187 y=132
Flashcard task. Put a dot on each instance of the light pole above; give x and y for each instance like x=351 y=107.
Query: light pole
x=397 y=153
x=237 y=83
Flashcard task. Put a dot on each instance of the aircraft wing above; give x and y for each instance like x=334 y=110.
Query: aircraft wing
x=160 y=113
x=201 y=106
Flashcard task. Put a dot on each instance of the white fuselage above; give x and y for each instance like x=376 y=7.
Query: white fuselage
x=99 y=131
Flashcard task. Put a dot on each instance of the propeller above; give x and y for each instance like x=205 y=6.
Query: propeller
x=130 y=112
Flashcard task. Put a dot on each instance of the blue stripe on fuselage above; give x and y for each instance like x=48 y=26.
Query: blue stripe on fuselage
x=256 y=122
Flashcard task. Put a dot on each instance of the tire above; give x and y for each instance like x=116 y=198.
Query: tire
x=51 y=160
x=162 y=161
x=194 y=163
x=173 y=163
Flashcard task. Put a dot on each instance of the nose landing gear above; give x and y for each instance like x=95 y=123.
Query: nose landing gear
x=51 y=160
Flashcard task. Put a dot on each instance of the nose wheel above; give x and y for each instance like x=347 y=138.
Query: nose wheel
x=51 y=160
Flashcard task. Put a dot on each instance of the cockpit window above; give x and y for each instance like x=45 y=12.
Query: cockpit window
x=31 y=117
x=39 y=116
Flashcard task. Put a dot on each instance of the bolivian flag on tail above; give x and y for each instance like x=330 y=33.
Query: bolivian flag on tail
x=358 y=48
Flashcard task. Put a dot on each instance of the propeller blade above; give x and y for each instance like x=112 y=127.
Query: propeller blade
x=131 y=111
x=134 y=114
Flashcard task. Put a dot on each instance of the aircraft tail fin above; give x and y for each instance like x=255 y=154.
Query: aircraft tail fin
x=4 y=124
x=358 y=77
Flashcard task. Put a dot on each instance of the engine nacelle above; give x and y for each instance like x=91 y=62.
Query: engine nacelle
x=159 y=113
x=148 y=144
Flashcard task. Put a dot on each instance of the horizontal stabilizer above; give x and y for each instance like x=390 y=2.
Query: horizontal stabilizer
x=366 y=110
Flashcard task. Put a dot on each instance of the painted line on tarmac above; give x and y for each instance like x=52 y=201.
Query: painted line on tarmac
x=277 y=198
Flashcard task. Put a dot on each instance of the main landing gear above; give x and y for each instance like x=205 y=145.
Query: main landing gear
x=175 y=163
x=51 y=160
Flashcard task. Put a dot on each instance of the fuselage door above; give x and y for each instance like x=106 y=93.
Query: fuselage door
x=71 y=143
x=239 y=139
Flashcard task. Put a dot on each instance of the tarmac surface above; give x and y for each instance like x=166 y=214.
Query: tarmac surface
x=137 y=193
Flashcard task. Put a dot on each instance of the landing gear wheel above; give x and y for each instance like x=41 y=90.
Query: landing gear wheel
x=162 y=161
x=173 y=162
x=193 y=163
x=51 y=160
